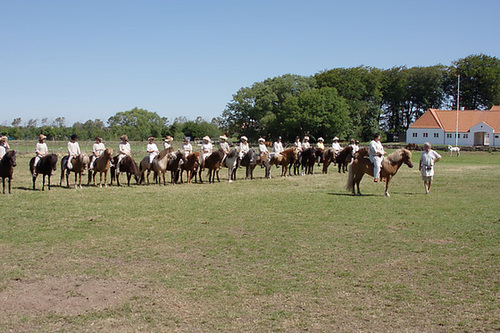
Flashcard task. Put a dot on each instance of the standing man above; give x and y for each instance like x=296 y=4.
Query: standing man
x=41 y=150
x=97 y=150
x=427 y=160
x=124 y=150
x=376 y=154
x=73 y=150
x=152 y=149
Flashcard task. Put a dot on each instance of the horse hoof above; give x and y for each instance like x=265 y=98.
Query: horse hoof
x=387 y=194
x=230 y=179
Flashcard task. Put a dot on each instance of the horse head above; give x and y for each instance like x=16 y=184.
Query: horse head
x=406 y=157
x=10 y=158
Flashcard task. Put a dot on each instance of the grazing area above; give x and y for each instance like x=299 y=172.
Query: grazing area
x=287 y=254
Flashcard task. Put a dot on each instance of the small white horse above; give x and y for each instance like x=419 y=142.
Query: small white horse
x=231 y=163
x=454 y=149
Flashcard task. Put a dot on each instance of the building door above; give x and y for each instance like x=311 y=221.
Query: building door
x=481 y=139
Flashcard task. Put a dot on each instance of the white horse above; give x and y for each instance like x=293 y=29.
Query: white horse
x=231 y=163
x=454 y=149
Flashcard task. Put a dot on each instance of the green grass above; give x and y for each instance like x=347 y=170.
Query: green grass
x=279 y=255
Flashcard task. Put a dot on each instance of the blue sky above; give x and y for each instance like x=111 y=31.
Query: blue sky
x=90 y=59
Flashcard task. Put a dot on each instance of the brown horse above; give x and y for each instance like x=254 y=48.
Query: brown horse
x=285 y=158
x=160 y=164
x=212 y=163
x=45 y=166
x=249 y=161
x=390 y=166
x=7 y=164
x=328 y=157
x=190 y=166
x=80 y=163
x=174 y=165
x=127 y=165
x=344 y=158
x=144 y=166
x=308 y=160
x=102 y=165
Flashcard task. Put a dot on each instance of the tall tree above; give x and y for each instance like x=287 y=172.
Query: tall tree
x=137 y=123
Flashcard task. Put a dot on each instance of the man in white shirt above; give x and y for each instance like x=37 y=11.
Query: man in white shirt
x=427 y=160
x=336 y=145
x=124 y=150
x=73 y=150
x=152 y=149
x=97 y=149
x=376 y=154
x=41 y=150
x=278 y=146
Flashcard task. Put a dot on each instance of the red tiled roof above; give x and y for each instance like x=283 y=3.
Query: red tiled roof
x=447 y=119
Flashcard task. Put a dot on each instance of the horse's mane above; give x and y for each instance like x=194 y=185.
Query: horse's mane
x=232 y=153
x=164 y=152
x=9 y=155
x=397 y=156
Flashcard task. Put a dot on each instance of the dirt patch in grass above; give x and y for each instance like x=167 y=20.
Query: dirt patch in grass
x=64 y=296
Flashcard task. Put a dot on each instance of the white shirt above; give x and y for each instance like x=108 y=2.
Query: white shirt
x=244 y=148
x=263 y=148
x=73 y=148
x=206 y=148
x=188 y=149
x=306 y=145
x=278 y=147
x=298 y=145
x=375 y=150
x=166 y=145
x=336 y=146
x=124 y=148
x=224 y=146
x=427 y=160
x=320 y=145
x=152 y=148
x=355 y=149
x=98 y=149
x=2 y=151
x=41 y=149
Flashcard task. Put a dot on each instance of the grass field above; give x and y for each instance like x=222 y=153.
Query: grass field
x=281 y=255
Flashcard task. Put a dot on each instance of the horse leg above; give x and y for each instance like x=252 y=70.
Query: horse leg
x=387 y=186
x=9 y=185
x=48 y=181
x=3 y=181
x=34 y=181
x=118 y=179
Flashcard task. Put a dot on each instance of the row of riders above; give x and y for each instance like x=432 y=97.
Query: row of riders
x=302 y=157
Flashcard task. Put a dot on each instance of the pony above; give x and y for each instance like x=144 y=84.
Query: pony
x=144 y=166
x=231 y=163
x=7 y=164
x=45 y=166
x=160 y=163
x=263 y=160
x=344 y=158
x=390 y=166
x=249 y=161
x=285 y=158
x=80 y=163
x=190 y=166
x=308 y=160
x=102 y=165
x=328 y=157
x=174 y=165
x=127 y=165
x=454 y=149
x=212 y=163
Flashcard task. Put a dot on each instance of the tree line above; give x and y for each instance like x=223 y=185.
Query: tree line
x=344 y=102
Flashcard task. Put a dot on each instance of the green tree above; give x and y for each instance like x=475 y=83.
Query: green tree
x=138 y=124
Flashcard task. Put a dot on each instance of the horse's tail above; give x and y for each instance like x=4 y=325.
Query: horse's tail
x=350 y=179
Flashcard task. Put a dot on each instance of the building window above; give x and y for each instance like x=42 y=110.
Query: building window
x=466 y=136
x=448 y=136
x=425 y=135
x=415 y=135
x=458 y=136
x=436 y=135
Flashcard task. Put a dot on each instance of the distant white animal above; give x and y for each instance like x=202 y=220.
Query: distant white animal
x=454 y=149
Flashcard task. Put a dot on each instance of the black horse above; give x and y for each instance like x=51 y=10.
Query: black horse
x=308 y=160
x=249 y=161
x=45 y=166
x=127 y=165
x=7 y=164
x=344 y=158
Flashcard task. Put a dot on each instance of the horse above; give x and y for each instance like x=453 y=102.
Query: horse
x=308 y=160
x=212 y=163
x=412 y=146
x=80 y=163
x=390 y=166
x=249 y=161
x=144 y=166
x=454 y=149
x=231 y=163
x=7 y=164
x=127 y=165
x=45 y=166
x=328 y=157
x=285 y=158
x=174 y=165
x=102 y=165
x=263 y=160
x=344 y=158
x=160 y=163
x=190 y=166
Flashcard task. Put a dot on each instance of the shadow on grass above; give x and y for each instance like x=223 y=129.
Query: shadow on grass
x=350 y=194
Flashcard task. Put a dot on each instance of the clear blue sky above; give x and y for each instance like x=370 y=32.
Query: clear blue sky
x=88 y=59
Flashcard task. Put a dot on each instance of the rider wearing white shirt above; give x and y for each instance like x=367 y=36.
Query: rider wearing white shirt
x=124 y=149
x=336 y=145
x=306 y=144
x=152 y=149
x=206 y=148
x=187 y=147
x=97 y=149
x=278 y=146
x=244 y=147
x=73 y=150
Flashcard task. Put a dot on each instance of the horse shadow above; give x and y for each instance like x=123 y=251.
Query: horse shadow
x=343 y=194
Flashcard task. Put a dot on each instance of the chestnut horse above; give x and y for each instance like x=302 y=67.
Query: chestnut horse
x=80 y=163
x=344 y=158
x=328 y=157
x=308 y=160
x=7 y=164
x=174 y=165
x=212 y=163
x=285 y=158
x=190 y=166
x=144 y=166
x=45 y=166
x=390 y=166
x=102 y=165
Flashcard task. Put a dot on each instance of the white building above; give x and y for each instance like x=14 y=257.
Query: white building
x=475 y=127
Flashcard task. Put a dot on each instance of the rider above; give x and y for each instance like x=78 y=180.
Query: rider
x=186 y=146
x=278 y=146
x=320 y=145
x=167 y=143
x=376 y=154
x=4 y=146
x=336 y=146
x=40 y=150
x=73 y=150
x=152 y=149
x=306 y=144
x=244 y=147
x=124 y=150
x=97 y=149
x=206 y=148
x=223 y=144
